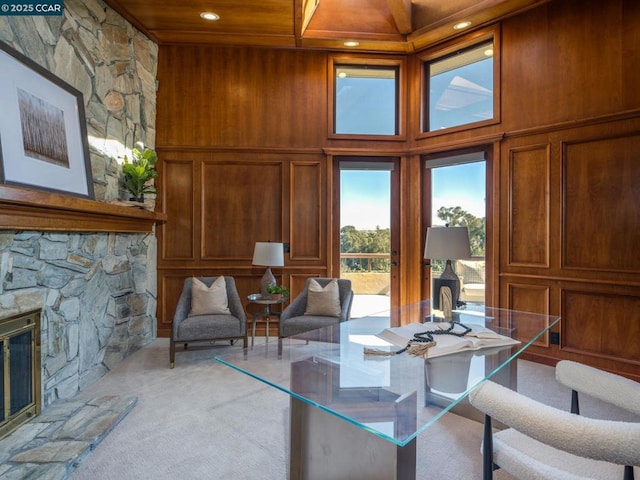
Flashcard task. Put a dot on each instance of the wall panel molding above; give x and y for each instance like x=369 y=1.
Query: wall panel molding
x=307 y=231
x=182 y=149
x=594 y=324
x=576 y=279
x=530 y=298
x=528 y=187
x=600 y=202
x=574 y=124
x=241 y=203
x=177 y=239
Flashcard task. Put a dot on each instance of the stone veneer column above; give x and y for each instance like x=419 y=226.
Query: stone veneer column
x=97 y=291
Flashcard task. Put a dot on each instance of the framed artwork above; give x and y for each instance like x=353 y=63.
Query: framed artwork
x=43 y=133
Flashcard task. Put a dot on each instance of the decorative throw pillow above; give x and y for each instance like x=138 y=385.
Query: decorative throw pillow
x=209 y=300
x=325 y=301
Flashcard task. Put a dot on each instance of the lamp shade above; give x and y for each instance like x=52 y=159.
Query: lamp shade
x=268 y=254
x=444 y=243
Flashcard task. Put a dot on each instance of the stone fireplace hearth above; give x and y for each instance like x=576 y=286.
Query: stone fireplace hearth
x=51 y=445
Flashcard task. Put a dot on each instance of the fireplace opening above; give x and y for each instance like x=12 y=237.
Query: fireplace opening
x=21 y=376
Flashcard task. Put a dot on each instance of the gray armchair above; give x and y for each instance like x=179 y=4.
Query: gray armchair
x=293 y=320
x=207 y=327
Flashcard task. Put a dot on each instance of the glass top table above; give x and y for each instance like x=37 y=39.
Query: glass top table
x=374 y=406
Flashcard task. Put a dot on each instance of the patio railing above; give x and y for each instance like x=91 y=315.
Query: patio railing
x=367 y=261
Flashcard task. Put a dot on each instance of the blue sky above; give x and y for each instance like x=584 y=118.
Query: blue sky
x=459 y=186
x=365 y=199
x=459 y=95
x=365 y=194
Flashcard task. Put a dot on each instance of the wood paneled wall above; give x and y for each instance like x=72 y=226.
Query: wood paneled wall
x=570 y=178
x=240 y=136
x=225 y=202
x=570 y=226
x=241 y=97
x=245 y=156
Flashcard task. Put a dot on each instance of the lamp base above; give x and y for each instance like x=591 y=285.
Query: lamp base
x=449 y=274
x=267 y=279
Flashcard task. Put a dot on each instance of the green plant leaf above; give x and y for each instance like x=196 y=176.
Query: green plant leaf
x=138 y=171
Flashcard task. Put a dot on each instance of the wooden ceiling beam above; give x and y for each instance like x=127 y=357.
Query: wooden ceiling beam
x=392 y=25
x=401 y=12
x=303 y=11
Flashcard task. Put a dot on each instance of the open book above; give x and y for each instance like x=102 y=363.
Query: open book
x=479 y=337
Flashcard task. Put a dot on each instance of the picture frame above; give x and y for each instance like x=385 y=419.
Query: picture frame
x=43 y=131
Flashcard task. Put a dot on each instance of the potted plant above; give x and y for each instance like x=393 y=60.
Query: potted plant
x=138 y=171
x=278 y=292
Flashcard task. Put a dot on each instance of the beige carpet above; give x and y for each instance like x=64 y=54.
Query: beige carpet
x=203 y=420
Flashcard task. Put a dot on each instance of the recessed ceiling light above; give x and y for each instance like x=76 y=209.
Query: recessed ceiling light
x=461 y=25
x=351 y=43
x=210 y=16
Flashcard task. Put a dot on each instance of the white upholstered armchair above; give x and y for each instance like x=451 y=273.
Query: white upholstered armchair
x=546 y=443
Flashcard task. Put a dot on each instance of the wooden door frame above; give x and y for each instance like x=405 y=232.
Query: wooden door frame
x=394 y=222
x=490 y=207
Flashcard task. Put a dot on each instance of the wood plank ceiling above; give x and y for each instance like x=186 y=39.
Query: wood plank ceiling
x=376 y=25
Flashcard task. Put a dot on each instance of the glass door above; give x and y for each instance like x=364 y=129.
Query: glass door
x=368 y=252
x=456 y=196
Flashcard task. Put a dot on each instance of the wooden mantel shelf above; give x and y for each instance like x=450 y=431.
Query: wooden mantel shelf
x=22 y=209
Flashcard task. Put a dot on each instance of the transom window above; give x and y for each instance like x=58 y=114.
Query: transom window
x=460 y=87
x=366 y=100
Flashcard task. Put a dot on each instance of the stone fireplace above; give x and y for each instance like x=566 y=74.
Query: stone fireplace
x=20 y=393
x=96 y=292
x=89 y=265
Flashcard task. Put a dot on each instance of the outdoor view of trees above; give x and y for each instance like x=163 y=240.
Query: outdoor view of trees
x=457 y=217
x=378 y=241
x=364 y=241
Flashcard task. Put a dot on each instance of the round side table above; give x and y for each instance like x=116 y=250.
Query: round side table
x=266 y=313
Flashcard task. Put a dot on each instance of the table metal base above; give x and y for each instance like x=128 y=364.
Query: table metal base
x=266 y=313
x=325 y=447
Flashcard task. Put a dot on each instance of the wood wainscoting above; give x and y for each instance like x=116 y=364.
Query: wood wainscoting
x=223 y=203
x=570 y=228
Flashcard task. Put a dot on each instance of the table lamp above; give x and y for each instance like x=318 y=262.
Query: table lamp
x=268 y=254
x=446 y=243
